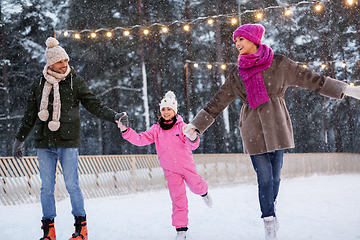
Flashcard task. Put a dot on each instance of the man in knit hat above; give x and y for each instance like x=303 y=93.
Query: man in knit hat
x=53 y=110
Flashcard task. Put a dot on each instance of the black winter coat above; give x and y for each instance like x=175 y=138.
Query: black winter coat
x=73 y=91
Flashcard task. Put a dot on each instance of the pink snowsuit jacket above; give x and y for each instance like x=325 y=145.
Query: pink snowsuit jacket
x=174 y=151
x=173 y=148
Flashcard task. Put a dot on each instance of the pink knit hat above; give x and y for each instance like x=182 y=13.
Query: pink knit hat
x=252 y=32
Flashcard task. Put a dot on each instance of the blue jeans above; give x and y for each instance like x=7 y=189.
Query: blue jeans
x=68 y=158
x=268 y=169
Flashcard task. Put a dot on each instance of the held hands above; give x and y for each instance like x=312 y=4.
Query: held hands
x=189 y=131
x=17 y=149
x=352 y=91
x=122 y=120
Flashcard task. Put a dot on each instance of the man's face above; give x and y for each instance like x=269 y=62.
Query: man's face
x=60 y=67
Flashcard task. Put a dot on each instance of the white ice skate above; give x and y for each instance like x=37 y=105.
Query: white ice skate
x=181 y=235
x=277 y=225
x=208 y=200
x=270 y=228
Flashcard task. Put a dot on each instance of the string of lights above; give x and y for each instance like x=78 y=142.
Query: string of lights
x=232 y=18
x=224 y=66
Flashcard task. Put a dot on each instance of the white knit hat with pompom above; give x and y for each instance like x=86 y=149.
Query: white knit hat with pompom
x=54 y=53
x=169 y=101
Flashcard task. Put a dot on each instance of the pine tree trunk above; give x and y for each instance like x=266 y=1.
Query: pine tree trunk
x=143 y=70
x=189 y=56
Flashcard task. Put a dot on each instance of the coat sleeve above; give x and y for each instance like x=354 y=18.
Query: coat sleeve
x=140 y=139
x=216 y=105
x=307 y=79
x=192 y=145
x=93 y=104
x=30 y=115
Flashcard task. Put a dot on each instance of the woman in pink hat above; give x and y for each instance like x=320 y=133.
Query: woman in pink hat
x=260 y=81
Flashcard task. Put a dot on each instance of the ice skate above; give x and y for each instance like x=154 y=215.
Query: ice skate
x=181 y=233
x=49 y=229
x=207 y=199
x=80 y=229
x=277 y=225
x=270 y=228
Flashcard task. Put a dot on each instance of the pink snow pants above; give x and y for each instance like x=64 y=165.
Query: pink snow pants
x=177 y=191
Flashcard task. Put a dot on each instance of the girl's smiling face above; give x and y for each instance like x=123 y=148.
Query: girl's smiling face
x=167 y=113
x=245 y=46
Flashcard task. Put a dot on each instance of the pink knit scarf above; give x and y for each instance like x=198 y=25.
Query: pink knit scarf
x=250 y=67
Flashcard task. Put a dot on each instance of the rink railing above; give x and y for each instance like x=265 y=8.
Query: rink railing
x=102 y=176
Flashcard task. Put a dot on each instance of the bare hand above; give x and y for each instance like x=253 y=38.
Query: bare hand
x=122 y=117
x=120 y=125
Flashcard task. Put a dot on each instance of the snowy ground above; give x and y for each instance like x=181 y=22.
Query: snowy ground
x=317 y=207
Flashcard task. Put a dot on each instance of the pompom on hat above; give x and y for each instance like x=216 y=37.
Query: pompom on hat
x=54 y=53
x=252 y=32
x=169 y=101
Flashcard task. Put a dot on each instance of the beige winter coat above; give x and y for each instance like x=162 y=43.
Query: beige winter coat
x=267 y=128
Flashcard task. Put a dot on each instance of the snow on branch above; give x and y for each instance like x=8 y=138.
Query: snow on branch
x=119 y=87
x=2 y=118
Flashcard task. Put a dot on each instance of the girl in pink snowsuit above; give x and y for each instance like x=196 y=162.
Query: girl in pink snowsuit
x=174 y=151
